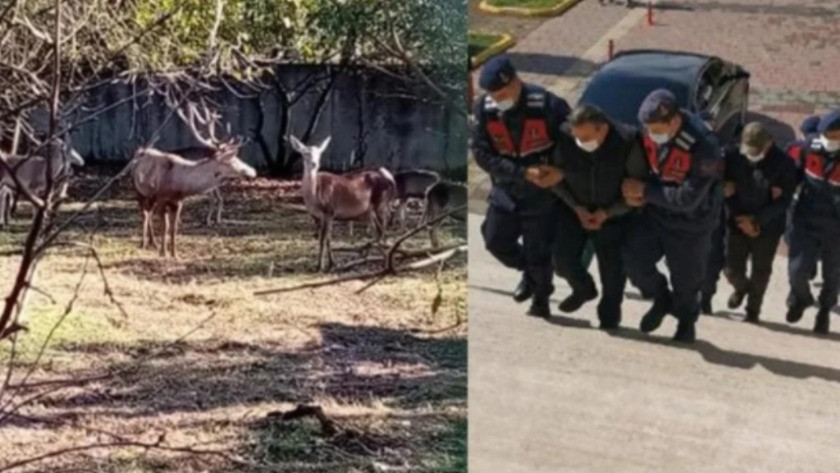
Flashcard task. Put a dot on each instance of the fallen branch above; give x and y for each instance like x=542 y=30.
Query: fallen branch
x=389 y=268
x=328 y=426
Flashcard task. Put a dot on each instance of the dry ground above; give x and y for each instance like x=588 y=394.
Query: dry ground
x=377 y=362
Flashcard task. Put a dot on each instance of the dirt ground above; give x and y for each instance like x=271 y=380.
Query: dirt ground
x=199 y=362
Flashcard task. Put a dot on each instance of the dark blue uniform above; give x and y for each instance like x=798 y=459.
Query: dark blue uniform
x=505 y=144
x=815 y=225
x=682 y=209
x=593 y=181
x=753 y=197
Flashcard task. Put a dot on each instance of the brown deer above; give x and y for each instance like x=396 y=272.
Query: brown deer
x=27 y=175
x=163 y=180
x=198 y=153
x=329 y=197
x=412 y=184
x=441 y=198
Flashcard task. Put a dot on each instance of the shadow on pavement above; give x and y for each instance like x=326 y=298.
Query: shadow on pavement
x=552 y=64
x=711 y=353
x=779 y=327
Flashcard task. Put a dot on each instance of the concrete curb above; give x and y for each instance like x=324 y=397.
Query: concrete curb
x=506 y=42
x=556 y=10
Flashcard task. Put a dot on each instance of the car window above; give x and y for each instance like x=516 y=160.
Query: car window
x=709 y=85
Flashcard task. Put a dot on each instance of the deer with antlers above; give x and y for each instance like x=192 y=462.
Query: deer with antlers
x=329 y=197
x=163 y=180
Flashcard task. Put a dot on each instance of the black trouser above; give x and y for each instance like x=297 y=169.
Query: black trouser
x=502 y=229
x=760 y=251
x=717 y=258
x=686 y=254
x=569 y=245
x=807 y=245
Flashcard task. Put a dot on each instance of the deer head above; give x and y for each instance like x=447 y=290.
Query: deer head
x=311 y=154
x=228 y=164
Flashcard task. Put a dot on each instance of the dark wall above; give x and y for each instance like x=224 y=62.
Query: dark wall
x=400 y=128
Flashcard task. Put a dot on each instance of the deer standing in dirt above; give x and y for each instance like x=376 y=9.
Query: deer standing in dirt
x=441 y=198
x=412 y=184
x=163 y=180
x=27 y=175
x=329 y=197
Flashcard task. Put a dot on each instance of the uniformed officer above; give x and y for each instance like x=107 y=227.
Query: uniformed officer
x=759 y=184
x=594 y=159
x=680 y=210
x=815 y=222
x=517 y=126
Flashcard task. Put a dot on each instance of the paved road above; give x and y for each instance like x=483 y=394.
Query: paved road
x=561 y=396
x=564 y=397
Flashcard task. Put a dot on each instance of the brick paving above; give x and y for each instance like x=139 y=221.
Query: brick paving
x=790 y=47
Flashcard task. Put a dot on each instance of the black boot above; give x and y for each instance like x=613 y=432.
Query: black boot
x=657 y=312
x=795 y=312
x=539 y=308
x=752 y=316
x=685 y=333
x=823 y=321
x=706 y=305
x=524 y=290
x=577 y=299
x=736 y=299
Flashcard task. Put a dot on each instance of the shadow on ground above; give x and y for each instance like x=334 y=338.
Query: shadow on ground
x=415 y=381
x=552 y=64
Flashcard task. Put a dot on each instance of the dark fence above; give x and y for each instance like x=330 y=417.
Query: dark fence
x=385 y=121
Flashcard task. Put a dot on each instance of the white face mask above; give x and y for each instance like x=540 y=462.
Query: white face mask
x=660 y=138
x=588 y=146
x=748 y=153
x=505 y=105
x=830 y=145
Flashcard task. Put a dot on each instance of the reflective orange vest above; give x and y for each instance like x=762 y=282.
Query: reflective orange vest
x=675 y=167
x=814 y=164
x=535 y=138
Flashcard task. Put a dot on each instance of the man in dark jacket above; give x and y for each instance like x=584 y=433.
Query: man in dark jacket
x=815 y=222
x=760 y=182
x=681 y=209
x=517 y=125
x=594 y=160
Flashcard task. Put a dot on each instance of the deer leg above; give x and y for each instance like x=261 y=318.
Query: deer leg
x=176 y=220
x=401 y=213
x=144 y=227
x=163 y=243
x=328 y=233
x=13 y=208
x=220 y=203
x=322 y=233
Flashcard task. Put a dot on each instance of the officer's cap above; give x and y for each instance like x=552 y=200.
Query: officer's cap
x=830 y=122
x=810 y=125
x=755 y=137
x=497 y=73
x=659 y=106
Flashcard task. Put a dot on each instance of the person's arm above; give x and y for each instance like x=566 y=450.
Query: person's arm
x=636 y=167
x=561 y=189
x=685 y=198
x=499 y=167
x=786 y=180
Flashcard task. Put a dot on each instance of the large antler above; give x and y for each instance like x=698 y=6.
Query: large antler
x=206 y=117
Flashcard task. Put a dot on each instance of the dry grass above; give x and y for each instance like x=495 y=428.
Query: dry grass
x=365 y=358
